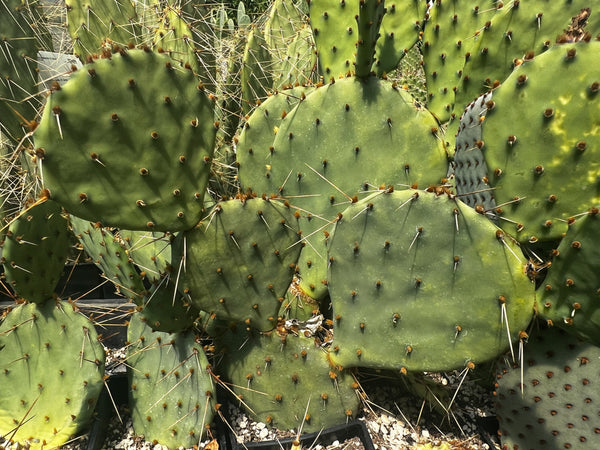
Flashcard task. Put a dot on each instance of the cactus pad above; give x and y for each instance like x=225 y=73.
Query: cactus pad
x=136 y=154
x=545 y=168
x=570 y=292
x=172 y=394
x=35 y=251
x=52 y=361
x=559 y=404
x=284 y=379
x=437 y=279
x=240 y=260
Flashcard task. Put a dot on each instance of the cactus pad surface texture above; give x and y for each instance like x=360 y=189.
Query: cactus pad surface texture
x=52 y=368
x=136 y=154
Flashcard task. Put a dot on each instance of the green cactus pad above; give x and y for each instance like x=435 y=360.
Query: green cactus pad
x=167 y=310
x=94 y=24
x=334 y=29
x=35 y=250
x=175 y=37
x=52 y=368
x=545 y=167
x=402 y=23
x=569 y=295
x=150 y=251
x=520 y=30
x=282 y=378
x=240 y=260
x=136 y=153
x=438 y=280
x=558 y=406
x=343 y=140
x=109 y=254
x=448 y=39
x=18 y=71
x=172 y=393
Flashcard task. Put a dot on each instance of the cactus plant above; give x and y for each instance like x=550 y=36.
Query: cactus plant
x=51 y=359
x=35 y=250
x=152 y=151
x=552 y=402
x=172 y=393
x=417 y=288
x=328 y=188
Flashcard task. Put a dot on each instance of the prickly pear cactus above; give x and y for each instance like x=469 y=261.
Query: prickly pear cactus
x=52 y=369
x=570 y=291
x=95 y=25
x=166 y=309
x=35 y=250
x=285 y=380
x=343 y=140
x=555 y=403
x=418 y=254
x=240 y=260
x=18 y=71
x=528 y=160
x=111 y=257
x=137 y=153
x=172 y=393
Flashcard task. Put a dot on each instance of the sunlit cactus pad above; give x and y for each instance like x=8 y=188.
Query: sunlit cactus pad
x=240 y=260
x=172 y=394
x=434 y=277
x=51 y=371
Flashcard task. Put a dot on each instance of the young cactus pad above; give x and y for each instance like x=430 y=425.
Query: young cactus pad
x=172 y=393
x=285 y=380
x=35 y=250
x=51 y=370
x=240 y=260
x=440 y=285
x=553 y=403
x=136 y=154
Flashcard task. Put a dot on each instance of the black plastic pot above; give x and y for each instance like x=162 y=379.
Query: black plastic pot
x=340 y=433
